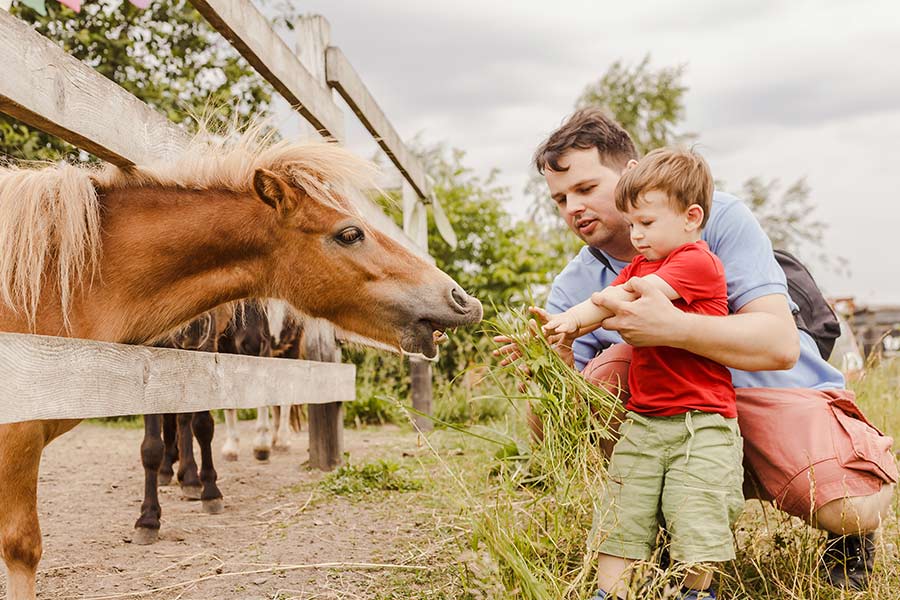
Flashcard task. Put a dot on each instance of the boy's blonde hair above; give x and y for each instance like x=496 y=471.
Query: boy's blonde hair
x=680 y=173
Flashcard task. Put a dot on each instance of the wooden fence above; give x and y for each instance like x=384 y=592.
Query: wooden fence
x=47 y=377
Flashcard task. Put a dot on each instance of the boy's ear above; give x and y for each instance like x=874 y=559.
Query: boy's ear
x=630 y=165
x=693 y=217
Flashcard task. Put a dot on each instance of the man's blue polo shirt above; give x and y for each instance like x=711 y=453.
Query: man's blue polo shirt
x=736 y=237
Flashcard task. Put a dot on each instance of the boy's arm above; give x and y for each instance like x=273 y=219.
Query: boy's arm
x=587 y=316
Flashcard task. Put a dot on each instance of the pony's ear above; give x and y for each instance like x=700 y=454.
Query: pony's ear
x=273 y=190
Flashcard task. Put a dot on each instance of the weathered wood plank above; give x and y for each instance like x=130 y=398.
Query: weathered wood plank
x=43 y=86
x=249 y=32
x=57 y=378
x=344 y=79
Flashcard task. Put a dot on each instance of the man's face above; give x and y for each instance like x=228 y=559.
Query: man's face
x=584 y=196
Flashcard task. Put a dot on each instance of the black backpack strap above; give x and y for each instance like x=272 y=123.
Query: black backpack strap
x=602 y=258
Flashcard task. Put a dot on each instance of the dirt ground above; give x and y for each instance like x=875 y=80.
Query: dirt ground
x=276 y=538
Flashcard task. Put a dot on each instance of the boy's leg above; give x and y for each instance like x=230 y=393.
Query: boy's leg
x=702 y=496
x=699 y=577
x=613 y=575
x=625 y=519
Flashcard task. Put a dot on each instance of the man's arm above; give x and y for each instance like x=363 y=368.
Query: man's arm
x=761 y=336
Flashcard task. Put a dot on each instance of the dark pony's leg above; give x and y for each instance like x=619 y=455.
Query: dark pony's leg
x=170 y=457
x=204 y=426
x=146 y=529
x=187 y=466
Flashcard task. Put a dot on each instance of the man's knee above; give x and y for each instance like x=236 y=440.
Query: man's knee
x=856 y=514
x=609 y=370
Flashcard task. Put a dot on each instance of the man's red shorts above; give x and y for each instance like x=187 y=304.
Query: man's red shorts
x=802 y=448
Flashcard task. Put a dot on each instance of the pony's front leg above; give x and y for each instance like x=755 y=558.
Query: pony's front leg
x=21 y=445
x=232 y=443
x=262 y=444
x=188 y=476
x=282 y=440
x=146 y=529
x=170 y=455
x=204 y=427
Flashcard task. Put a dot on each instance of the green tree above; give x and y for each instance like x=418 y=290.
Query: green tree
x=166 y=55
x=789 y=219
x=647 y=102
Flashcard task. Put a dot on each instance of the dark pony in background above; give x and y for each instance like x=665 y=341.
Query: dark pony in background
x=131 y=255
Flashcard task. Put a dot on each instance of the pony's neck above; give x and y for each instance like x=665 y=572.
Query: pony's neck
x=171 y=254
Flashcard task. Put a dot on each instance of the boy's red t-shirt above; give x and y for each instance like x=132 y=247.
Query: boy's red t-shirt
x=668 y=381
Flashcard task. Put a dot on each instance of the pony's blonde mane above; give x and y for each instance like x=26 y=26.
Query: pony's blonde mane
x=50 y=216
x=327 y=172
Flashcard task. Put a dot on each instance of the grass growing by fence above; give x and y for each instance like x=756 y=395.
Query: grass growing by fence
x=380 y=475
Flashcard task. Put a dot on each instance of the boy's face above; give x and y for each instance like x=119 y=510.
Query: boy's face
x=658 y=227
x=584 y=197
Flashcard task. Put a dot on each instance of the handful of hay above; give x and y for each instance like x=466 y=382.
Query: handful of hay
x=575 y=414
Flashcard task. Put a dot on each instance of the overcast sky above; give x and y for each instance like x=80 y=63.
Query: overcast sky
x=776 y=89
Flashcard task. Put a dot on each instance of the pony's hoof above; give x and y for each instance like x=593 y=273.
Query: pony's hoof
x=282 y=447
x=261 y=455
x=164 y=479
x=144 y=536
x=213 y=507
x=230 y=456
x=191 y=492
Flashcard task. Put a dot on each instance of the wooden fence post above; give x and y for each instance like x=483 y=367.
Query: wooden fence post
x=415 y=225
x=326 y=421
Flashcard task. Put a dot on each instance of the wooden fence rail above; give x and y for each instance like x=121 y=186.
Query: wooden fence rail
x=48 y=377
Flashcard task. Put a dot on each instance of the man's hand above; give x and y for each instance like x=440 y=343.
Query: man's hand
x=650 y=320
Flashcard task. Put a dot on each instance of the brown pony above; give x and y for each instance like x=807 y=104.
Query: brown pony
x=129 y=255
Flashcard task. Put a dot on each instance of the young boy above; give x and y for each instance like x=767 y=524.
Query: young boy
x=680 y=451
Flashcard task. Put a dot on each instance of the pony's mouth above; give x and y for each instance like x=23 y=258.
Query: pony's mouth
x=421 y=338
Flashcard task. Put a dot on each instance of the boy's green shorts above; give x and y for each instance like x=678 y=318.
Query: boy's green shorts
x=683 y=471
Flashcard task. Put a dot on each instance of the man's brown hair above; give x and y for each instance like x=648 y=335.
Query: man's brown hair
x=587 y=128
x=680 y=173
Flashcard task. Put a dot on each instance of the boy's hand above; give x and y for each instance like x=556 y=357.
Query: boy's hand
x=561 y=323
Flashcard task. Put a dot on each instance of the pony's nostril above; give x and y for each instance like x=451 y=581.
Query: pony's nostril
x=459 y=297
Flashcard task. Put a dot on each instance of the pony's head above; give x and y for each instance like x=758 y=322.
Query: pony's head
x=329 y=263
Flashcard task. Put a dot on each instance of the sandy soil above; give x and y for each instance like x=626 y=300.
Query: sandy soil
x=276 y=526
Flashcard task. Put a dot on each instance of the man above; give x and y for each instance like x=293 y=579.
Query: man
x=798 y=421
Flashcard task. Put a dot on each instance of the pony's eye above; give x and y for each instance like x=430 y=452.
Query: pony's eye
x=350 y=235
